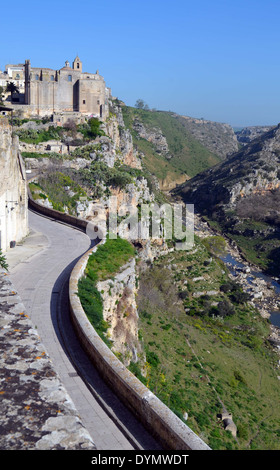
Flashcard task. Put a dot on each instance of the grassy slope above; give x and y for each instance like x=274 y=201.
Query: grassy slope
x=52 y=187
x=196 y=360
x=102 y=264
x=189 y=156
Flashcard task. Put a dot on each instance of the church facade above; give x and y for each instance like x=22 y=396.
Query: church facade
x=67 y=90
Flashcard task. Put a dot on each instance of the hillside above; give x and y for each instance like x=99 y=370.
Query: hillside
x=247 y=134
x=175 y=147
x=241 y=195
x=217 y=137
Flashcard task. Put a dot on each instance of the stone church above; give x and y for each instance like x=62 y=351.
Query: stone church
x=67 y=90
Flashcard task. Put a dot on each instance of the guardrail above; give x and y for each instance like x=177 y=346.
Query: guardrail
x=151 y=412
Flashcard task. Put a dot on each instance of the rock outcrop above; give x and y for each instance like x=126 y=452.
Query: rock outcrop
x=247 y=134
x=252 y=170
x=120 y=312
x=217 y=137
x=153 y=135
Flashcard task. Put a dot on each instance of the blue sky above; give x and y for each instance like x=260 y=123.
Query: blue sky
x=216 y=59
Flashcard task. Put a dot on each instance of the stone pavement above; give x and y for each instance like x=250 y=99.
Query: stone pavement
x=36 y=411
x=39 y=269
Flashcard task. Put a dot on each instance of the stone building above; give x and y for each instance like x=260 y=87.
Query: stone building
x=13 y=189
x=16 y=75
x=68 y=90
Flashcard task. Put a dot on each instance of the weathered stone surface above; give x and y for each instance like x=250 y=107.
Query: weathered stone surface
x=253 y=170
x=13 y=189
x=120 y=311
x=247 y=134
x=217 y=137
x=154 y=136
x=35 y=409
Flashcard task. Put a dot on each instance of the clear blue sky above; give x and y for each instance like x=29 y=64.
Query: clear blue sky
x=217 y=59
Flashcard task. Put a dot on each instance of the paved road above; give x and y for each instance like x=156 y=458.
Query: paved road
x=40 y=270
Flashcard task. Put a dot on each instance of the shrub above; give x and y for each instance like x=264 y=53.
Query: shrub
x=3 y=261
x=152 y=358
x=91 y=129
x=225 y=309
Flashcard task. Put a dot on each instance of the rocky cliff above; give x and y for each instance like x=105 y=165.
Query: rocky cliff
x=247 y=134
x=252 y=170
x=242 y=196
x=217 y=137
x=120 y=312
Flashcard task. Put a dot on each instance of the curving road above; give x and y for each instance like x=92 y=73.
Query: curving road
x=40 y=269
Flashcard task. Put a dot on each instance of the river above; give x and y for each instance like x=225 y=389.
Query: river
x=236 y=267
x=264 y=290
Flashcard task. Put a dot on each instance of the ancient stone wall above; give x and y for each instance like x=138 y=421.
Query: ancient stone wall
x=13 y=189
x=68 y=90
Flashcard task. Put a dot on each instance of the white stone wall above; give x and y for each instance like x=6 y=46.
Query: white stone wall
x=13 y=189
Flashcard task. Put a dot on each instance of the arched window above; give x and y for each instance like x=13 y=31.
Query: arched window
x=69 y=78
x=37 y=77
x=52 y=78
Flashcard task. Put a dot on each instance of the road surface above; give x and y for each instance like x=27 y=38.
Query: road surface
x=40 y=269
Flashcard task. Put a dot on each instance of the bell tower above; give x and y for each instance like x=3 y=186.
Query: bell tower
x=77 y=64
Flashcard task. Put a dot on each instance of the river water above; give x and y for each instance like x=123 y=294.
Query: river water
x=234 y=265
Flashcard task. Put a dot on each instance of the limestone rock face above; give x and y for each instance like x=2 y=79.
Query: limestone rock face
x=252 y=170
x=228 y=423
x=217 y=137
x=13 y=189
x=154 y=136
x=121 y=138
x=120 y=311
x=247 y=134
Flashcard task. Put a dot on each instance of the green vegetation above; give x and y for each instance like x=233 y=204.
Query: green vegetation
x=205 y=344
x=18 y=122
x=102 y=265
x=258 y=240
x=3 y=261
x=51 y=155
x=98 y=172
x=91 y=129
x=109 y=258
x=188 y=155
x=1 y=95
x=52 y=187
x=33 y=136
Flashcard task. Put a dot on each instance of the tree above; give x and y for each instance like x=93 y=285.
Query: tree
x=12 y=88
x=225 y=309
x=140 y=104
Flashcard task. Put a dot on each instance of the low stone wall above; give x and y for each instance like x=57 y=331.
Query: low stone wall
x=155 y=416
